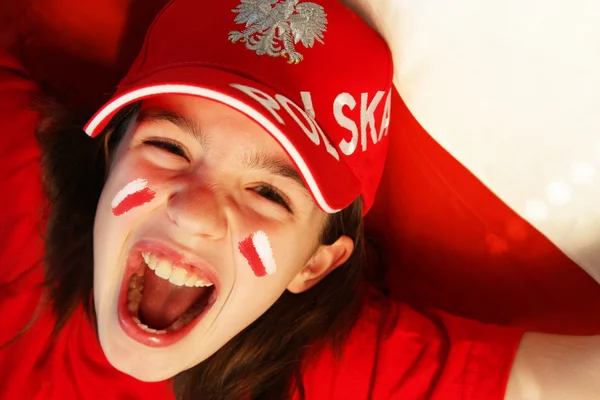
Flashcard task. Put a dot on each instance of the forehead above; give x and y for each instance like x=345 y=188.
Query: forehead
x=217 y=125
x=204 y=113
x=210 y=122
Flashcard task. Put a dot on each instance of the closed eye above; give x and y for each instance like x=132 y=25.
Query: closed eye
x=273 y=195
x=167 y=145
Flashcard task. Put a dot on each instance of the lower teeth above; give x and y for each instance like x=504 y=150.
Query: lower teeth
x=146 y=328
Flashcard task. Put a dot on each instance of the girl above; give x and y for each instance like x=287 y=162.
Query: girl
x=207 y=241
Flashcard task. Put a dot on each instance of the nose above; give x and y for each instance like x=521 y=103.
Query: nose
x=198 y=210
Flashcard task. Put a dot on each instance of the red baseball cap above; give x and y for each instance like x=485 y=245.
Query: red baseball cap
x=311 y=73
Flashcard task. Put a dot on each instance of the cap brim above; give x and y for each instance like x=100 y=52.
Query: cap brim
x=331 y=183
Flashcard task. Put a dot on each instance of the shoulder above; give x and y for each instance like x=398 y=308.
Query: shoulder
x=395 y=352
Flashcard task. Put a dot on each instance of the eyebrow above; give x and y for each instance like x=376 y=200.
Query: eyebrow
x=256 y=161
x=153 y=114
x=274 y=165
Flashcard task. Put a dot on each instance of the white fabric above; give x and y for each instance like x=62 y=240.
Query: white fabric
x=510 y=88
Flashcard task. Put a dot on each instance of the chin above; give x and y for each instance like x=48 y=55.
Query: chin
x=140 y=337
x=133 y=359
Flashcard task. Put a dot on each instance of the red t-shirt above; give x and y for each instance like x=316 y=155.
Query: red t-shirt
x=409 y=356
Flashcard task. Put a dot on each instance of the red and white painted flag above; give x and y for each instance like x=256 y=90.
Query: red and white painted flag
x=134 y=194
x=257 y=250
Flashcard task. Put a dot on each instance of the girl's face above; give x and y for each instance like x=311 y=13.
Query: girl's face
x=202 y=224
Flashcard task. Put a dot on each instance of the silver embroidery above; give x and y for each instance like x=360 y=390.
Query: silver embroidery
x=273 y=27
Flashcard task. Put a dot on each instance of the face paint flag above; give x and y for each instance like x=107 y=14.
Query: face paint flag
x=134 y=194
x=257 y=250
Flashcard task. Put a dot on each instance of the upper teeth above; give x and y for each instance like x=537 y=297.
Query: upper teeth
x=177 y=276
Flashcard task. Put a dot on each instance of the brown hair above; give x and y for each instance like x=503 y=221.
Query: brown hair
x=263 y=361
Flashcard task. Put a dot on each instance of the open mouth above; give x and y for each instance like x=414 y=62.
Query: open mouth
x=162 y=298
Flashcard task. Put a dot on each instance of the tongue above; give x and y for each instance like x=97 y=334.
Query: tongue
x=163 y=303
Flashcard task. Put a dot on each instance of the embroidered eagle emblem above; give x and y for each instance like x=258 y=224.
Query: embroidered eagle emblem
x=274 y=27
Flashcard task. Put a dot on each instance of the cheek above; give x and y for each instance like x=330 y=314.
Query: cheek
x=256 y=249
x=134 y=194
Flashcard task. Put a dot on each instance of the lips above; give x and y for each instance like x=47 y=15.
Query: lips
x=171 y=310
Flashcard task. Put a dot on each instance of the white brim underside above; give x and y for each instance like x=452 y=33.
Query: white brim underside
x=132 y=96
